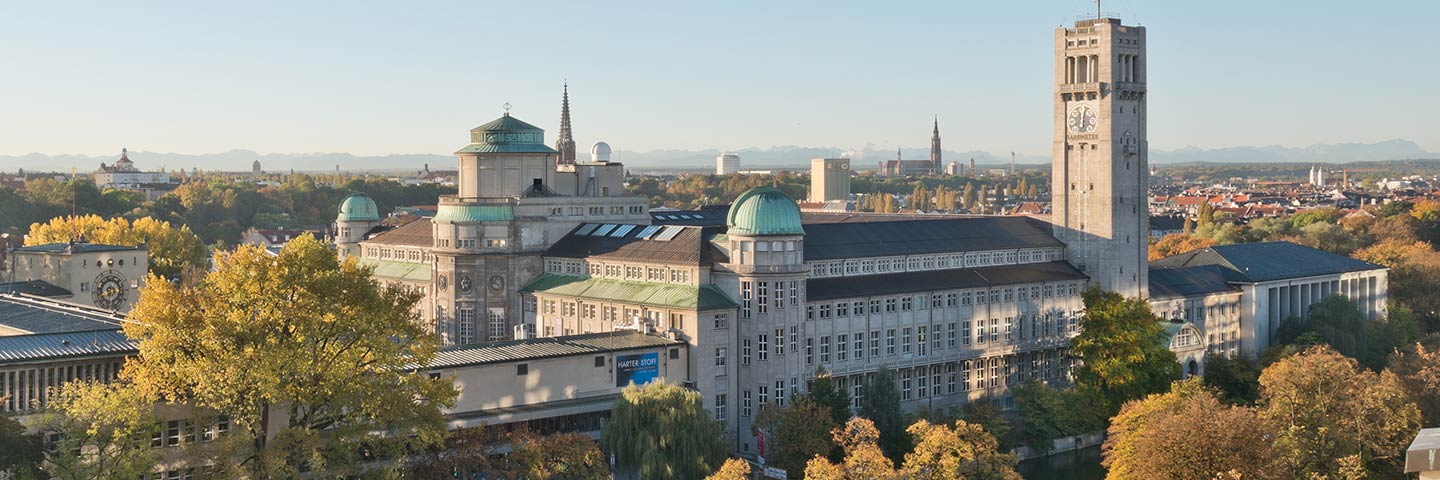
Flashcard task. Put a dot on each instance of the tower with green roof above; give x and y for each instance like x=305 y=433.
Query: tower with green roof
x=358 y=215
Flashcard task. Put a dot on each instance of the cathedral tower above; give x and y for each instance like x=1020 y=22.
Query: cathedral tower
x=935 y=148
x=565 y=144
x=1100 y=160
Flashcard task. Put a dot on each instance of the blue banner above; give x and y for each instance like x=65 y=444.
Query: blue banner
x=641 y=369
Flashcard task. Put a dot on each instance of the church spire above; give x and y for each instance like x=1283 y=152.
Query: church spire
x=565 y=144
x=935 y=147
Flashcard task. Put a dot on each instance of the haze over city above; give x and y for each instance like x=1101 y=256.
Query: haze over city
x=376 y=78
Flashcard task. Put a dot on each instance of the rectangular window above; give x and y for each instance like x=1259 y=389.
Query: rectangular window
x=905 y=339
x=745 y=351
x=745 y=405
x=720 y=406
x=950 y=340
x=779 y=341
x=794 y=335
x=763 y=347
x=875 y=343
x=907 y=304
x=722 y=321
x=842 y=309
x=763 y=394
x=825 y=310
x=935 y=380
x=745 y=299
x=809 y=312
x=720 y=357
x=780 y=295
x=875 y=306
x=762 y=299
x=890 y=341
x=994 y=330
x=780 y=393
x=857 y=308
x=905 y=392
x=809 y=351
x=950 y=378
x=842 y=344
x=920 y=339
x=825 y=349
x=1009 y=328
x=795 y=293
x=522 y=369
x=889 y=305
x=859 y=345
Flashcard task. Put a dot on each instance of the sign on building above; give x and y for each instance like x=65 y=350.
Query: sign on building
x=640 y=369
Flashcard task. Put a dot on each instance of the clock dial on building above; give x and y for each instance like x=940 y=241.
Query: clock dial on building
x=109 y=291
x=1081 y=119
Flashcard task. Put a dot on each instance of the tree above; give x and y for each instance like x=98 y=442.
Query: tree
x=172 y=249
x=733 y=469
x=966 y=451
x=1414 y=275
x=864 y=460
x=1187 y=433
x=824 y=393
x=795 y=433
x=565 y=456
x=1418 y=369
x=881 y=405
x=1178 y=243
x=307 y=356
x=20 y=452
x=105 y=432
x=1330 y=416
x=1122 y=348
x=1235 y=379
x=661 y=430
x=1047 y=414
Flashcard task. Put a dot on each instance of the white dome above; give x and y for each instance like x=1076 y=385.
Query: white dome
x=600 y=152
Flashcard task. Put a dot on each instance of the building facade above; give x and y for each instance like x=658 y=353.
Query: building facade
x=829 y=179
x=107 y=277
x=727 y=163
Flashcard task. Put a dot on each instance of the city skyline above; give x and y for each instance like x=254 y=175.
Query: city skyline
x=414 y=79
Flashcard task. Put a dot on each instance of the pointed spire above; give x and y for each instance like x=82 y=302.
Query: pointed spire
x=565 y=143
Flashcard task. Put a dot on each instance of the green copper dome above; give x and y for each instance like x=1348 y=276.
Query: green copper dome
x=358 y=207
x=507 y=134
x=764 y=211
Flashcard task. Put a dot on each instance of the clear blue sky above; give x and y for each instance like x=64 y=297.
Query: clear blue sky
x=413 y=77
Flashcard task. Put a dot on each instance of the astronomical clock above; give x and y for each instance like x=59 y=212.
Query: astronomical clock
x=110 y=290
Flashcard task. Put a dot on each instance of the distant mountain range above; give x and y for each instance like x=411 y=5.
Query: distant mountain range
x=751 y=158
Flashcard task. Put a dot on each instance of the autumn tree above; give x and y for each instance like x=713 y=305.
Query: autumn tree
x=1414 y=275
x=1188 y=434
x=662 y=431
x=1122 y=349
x=795 y=433
x=1178 y=243
x=568 y=456
x=104 y=432
x=311 y=359
x=732 y=469
x=881 y=405
x=863 y=458
x=964 y=451
x=21 y=452
x=1418 y=368
x=1332 y=417
x=172 y=249
x=1235 y=379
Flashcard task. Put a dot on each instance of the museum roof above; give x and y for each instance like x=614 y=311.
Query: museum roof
x=688 y=297
x=417 y=233
x=34 y=328
x=78 y=247
x=666 y=244
x=546 y=347
x=1188 y=281
x=820 y=289
x=868 y=237
x=39 y=288
x=1267 y=261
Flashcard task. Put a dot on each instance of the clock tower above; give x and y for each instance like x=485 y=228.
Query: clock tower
x=1099 y=166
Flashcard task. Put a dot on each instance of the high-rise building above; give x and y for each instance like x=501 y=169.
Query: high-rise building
x=727 y=163
x=829 y=179
x=1100 y=152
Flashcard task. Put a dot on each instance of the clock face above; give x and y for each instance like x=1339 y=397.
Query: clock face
x=109 y=291
x=1081 y=119
x=465 y=283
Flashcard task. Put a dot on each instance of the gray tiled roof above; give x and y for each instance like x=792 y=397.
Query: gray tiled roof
x=821 y=289
x=547 y=347
x=54 y=346
x=58 y=330
x=1268 y=261
x=827 y=241
x=34 y=287
x=1188 y=281
x=690 y=246
x=61 y=247
x=38 y=315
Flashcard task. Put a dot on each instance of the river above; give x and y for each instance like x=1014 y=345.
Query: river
x=1083 y=464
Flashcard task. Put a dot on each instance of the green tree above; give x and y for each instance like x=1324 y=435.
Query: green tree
x=309 y=357
x=20 y=451
x=1047 y=414
x=1122 y=349
x=1234 y=378
x=733 y=469
x=1418 y=368
x=881 y=405
x=1331 y=416
x=662 y=431
x=105 y=432
x=824 y=393
x=795 y=433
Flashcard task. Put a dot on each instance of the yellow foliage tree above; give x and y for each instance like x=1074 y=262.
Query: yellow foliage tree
x=733 y=469
x=863 y=458
x=964 y=452
x=172 y=249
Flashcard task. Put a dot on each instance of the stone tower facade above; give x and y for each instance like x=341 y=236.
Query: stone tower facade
x=1100 y=160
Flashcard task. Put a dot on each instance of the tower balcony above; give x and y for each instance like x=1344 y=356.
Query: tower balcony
x=1087 y=87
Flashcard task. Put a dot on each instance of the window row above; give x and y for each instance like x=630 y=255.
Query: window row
x=867 y=266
